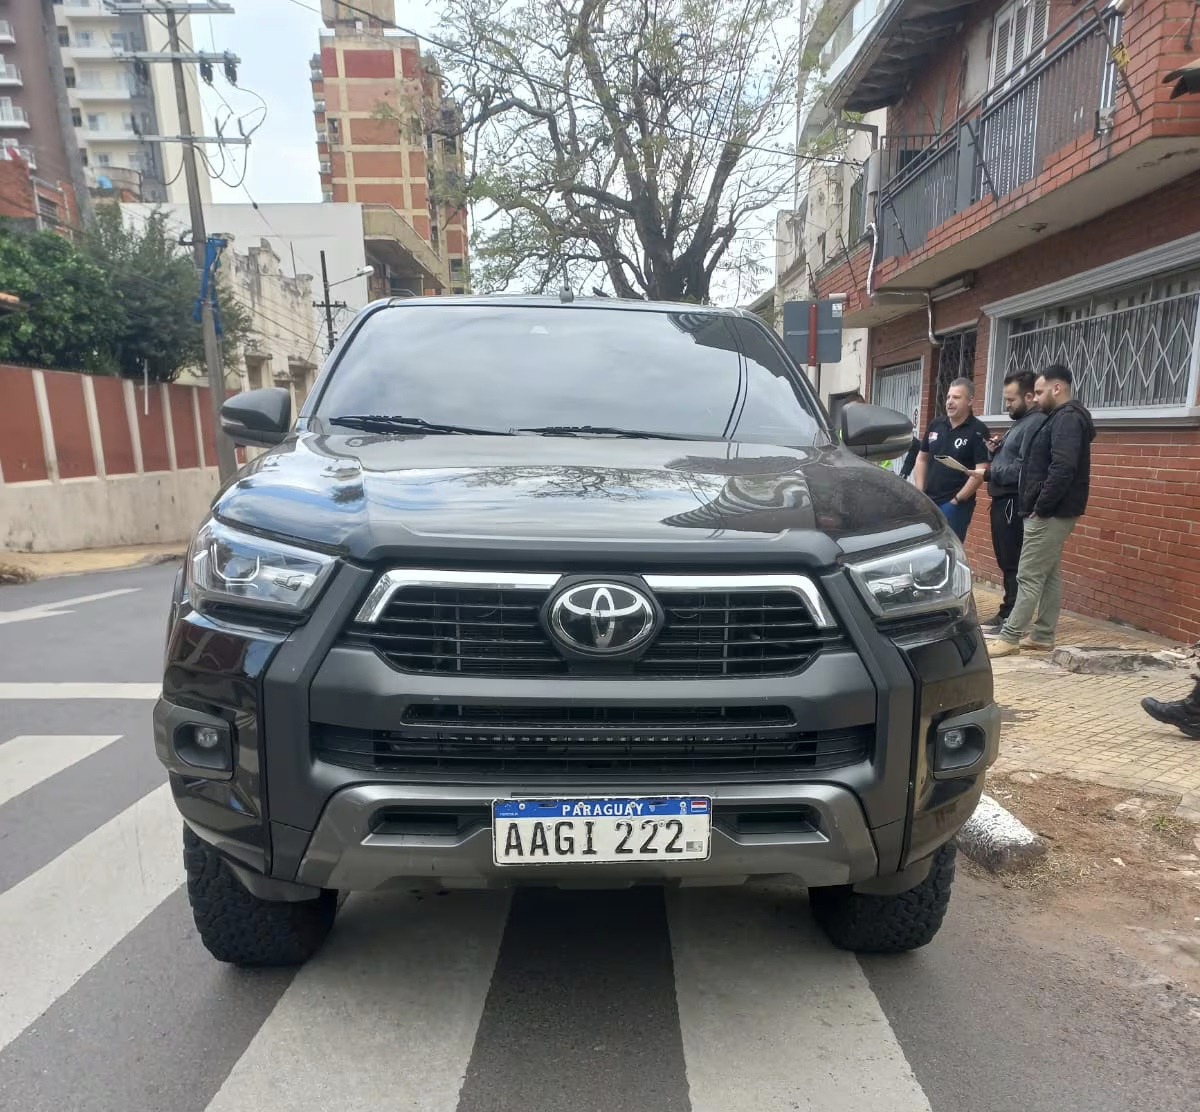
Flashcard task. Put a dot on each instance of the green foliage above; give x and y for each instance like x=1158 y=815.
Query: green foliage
x=120 y=302
x=73 y=316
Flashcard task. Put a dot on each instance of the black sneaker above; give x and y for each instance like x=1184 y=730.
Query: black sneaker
x=992 y=626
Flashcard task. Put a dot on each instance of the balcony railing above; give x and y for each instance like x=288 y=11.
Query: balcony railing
x=12 y=116
x=1002 y=144
x=6 y=32
x=9 y=75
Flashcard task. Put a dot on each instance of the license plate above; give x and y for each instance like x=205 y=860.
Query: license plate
x=601 y=831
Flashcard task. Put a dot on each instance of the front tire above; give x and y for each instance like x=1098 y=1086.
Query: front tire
x=238 y=927
x=896 y=924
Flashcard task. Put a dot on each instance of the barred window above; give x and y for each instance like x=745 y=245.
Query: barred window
x=1128 y=348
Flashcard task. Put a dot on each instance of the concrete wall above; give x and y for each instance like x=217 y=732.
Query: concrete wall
x=89 y=462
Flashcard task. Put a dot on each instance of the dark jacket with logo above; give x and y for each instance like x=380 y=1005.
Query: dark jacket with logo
x=1057 y=469
x=1004 y=474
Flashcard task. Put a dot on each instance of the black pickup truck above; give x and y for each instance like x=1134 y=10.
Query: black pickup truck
x=536 y=591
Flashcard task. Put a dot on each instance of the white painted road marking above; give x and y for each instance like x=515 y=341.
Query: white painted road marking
x=67 y=691
x=384 y=1016
x=56 y=609
x=27 y=760
x=58 y=923
x=764 y=998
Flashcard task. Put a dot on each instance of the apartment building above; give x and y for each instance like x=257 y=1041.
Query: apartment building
x=39 y=183
x=379 y=104
x=114 y=102
x=1037 y=200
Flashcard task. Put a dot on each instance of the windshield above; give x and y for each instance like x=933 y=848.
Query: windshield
x=561 y=368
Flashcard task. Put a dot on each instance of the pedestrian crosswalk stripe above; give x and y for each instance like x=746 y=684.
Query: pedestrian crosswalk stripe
x=56 y=924
x=28 y=760
x=762 y=996
x=64 y=692
x=384 y=1017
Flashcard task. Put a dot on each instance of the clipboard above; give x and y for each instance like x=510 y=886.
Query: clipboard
x=951 y=462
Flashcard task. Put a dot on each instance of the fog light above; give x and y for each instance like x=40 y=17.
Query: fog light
x=207 y=737
x=958 y=747
x=952 y=740
x=205 y=747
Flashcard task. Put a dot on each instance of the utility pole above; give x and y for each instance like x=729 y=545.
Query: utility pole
x=328 y=305
x=171 y=9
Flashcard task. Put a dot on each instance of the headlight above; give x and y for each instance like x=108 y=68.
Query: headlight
x=916 y=580
x=235 y=568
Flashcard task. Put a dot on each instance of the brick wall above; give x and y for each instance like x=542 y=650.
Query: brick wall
x=1136 y=556
x=1154 y=33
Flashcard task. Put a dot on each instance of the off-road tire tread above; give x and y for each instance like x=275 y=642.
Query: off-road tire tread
x=241 y=929
x=897 y=924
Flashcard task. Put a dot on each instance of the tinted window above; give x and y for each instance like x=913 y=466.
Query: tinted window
x=506 y=367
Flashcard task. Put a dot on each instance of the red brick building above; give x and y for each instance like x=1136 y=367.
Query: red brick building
x=31 y=200
x=381 y=121
x=1036 y=198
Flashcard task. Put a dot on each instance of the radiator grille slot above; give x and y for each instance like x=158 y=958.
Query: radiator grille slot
x=497 y=631
x=447 y=741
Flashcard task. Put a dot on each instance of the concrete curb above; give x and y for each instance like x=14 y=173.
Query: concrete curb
x=31 y=567
x=998 y=840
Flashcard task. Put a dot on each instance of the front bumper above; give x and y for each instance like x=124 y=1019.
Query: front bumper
x=284 y=818
x=373 y=835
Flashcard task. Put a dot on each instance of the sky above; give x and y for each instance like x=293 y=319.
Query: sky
x=274 y=40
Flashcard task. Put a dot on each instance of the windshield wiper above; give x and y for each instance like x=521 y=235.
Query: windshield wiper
x=382 y=422
x=604 y=430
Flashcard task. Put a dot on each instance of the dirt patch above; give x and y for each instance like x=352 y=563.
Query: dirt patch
x=12 y=573
x=1120 y=862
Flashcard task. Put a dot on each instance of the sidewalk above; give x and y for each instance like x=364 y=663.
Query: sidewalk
x=46 y=565
x=1092 y=727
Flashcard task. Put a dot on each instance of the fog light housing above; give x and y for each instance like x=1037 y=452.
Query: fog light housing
x=205 y=746
x=957 y=747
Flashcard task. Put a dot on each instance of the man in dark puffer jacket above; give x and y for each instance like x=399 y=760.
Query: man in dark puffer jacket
x=1052 y=495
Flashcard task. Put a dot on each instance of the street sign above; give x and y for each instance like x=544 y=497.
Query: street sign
x=799 y=319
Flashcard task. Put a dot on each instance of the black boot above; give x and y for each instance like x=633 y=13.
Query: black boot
x=1184 y=714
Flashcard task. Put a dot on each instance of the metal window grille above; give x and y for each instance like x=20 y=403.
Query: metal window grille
x=1134 y=349
x=956 y=359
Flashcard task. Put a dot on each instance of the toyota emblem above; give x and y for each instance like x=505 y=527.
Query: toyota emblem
x=602 y=619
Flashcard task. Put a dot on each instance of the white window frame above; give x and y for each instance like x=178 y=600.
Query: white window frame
x=1145 y=265
x=1031 y=47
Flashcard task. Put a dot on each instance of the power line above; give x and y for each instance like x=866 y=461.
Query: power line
x=551 y=86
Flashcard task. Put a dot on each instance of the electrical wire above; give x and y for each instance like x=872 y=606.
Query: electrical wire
x=561 y=90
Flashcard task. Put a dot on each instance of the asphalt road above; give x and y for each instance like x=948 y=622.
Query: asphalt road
x=710 y=1000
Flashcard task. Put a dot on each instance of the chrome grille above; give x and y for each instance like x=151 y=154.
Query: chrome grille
x=714 y=627
x=444 y=739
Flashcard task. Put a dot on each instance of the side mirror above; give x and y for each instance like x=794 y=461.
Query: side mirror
x=261 y=418
x=873 y=432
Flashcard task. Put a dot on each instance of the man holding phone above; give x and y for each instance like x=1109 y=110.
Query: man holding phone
x=960 y=440
x=1004 y=477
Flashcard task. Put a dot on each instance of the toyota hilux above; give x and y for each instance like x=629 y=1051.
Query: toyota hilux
x=555 y=591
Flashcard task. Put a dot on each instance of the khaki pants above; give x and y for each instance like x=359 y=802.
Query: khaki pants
x=1039 y=580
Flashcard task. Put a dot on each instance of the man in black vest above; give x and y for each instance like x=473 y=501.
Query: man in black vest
x=1003 y=480
x=962 y=437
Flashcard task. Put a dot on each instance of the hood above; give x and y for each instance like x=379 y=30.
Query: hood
x=1077 y=407
x=372 y=496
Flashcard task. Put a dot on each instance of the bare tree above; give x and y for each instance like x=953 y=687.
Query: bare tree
x=624 y=142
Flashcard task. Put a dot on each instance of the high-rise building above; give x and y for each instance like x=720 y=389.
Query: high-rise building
x=381 y=116
x=31 y=130
x=113 y=103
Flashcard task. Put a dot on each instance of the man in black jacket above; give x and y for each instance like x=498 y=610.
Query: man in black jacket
x=1052 y=495
x=1003 y=481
